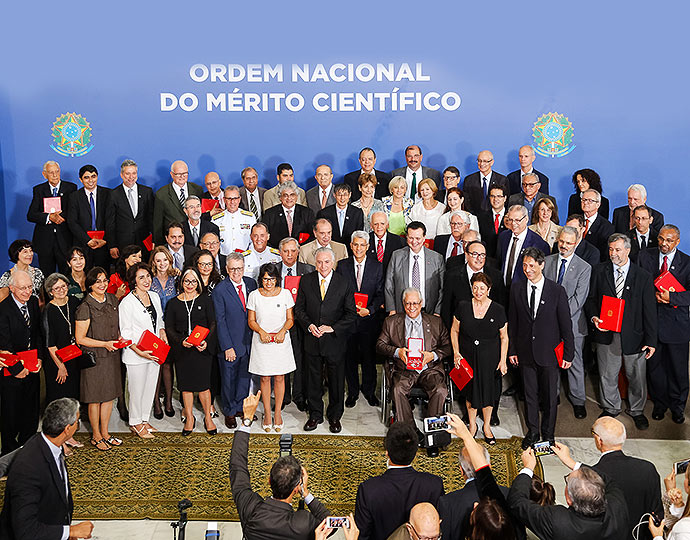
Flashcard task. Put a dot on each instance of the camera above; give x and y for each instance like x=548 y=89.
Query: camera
x=285 y=444
x=435 y=423
x=542 y=448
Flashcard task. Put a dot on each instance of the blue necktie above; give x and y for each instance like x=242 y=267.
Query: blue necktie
x=55 y=194
x=93 y=211
x=561 y=272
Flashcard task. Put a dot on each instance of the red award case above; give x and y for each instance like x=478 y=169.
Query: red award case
x=68 y=353
x=52 y=205
x=611 y=313
x=148 y=242
x=292 y=285
x=198 y=335
x=462 y=375
x=155 y=345
x=667 y=281
x=361 y=300
x=28 y=358
x=123 y=343
x=208 y=204
x=415 y=346
x=559 y=353
x=96 y=235
x=429 y=242
x=303 y=237
x=9 y=360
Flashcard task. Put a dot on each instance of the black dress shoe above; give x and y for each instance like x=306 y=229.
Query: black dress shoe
x=170 y=412
x=678 y=418
x=495 y=420
x=607 y=413
x=373 y=400
x=311 y=424
x=432 y=451
x=580 y=411
x=641 y=421
x=529 y=440
x=301 y=405
x=334 y=426
x=658 y=414
x=186 y=432
x=350 y=402
x=230 y=422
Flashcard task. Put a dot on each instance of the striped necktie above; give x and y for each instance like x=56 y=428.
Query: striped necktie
x=620 y=282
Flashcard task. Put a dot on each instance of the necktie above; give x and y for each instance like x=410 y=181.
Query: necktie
x=341 y=221
x=620 y=282
x=63 y=472
x=25 y=313
x=416 y=281
x=485 y=183
x=379 y=251
x=416 y=333
x=359 y=276
x=92 y=203
x=182 y=197
x=664 y=266
x=532 y=298
x=511 y=261
x=55 y=192
x=496 y=224
x=632 y=220
x=289 y=271
x=288 y=218
x=413 y=189
x=252 y=206
x=195 y=235
x=323 y=289
x=456 y=246
x=132 y=203
x=177 y=257
x=561 y=272
x=644 y=242
x=241 y=295
x=586 y=228
x=323 y=198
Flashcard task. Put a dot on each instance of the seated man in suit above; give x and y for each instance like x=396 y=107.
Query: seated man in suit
x=491 y=221
x=273 y=517
x=321 y=195
x=288 y=218
x=323 y=231
x=623 y=216
x=367 y=159
x=384 y=502
x=414 y=173
x=513 y=242
x=234 y=224
x=365 y=274
x=530 y=194
x=641 y=234
x=478 y=185
x=170 y=198
x=344 y=217
x=38 y=495
x=284 y=174
x=174 y=241
x=597 y=228
x=526 y=156
x=415 y=266
x=194 y=226
x=392 y=342
x=382 y=244
x=214 y=191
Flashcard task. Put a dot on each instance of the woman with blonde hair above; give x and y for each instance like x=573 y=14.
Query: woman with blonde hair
x=397 y=206
x=427 y=210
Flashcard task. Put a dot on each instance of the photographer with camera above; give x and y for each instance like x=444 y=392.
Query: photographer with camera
x=274 y=517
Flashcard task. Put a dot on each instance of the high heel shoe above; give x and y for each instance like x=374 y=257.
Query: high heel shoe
x=169 y=412
x=266 y=427
x=158 y=414
x=211 y=431
x=186 y=432
x=143 y=432
x=278 y=427
x=490 y=440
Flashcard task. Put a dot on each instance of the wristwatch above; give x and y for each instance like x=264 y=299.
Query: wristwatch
x=247 y=422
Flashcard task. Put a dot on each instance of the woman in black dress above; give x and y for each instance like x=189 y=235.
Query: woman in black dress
x=480 y=335
x=192 y=362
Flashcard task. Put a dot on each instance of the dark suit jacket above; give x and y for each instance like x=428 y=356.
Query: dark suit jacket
x=121 y=227
x=534 y=340
x=640 y=483
x=314 y=198
x=36 y=505
x=384 y=502
x=392 y=243
x=639 y=326
x=457 y=288
x=488 y=233
x=673 y=323
x=515 y=181
x=167 y=208
x=426 y=172
x=354 y=221
x=652 y=242
x=274 y=218
x=441 y=244
x=267 y=518
x=586 y=251
x=531 y=240
x=558 y=522
x=372 y=285
x=204 y=227
x=80 y=217
x=15 y=335
x=621 y=220
x=454 y=509
x=474 y=193
x=232 y=327
x=45 y=235
x=302 y=268
x=598 y=235
x=188 y=252
x=382 y=179
x=337 y=310
x=575 y=206
x=244 y=202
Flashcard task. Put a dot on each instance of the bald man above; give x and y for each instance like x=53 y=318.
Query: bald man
x=526 y=157
x=478 y=184
x=168 y=206
x=424 y=522
x=214 y=190
x=322 y=194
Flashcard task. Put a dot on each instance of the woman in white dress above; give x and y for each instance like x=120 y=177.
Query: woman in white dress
x=455 y=199
x=269 y=313
x=428 y=210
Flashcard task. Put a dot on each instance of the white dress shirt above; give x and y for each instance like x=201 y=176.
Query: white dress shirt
x=537 y=293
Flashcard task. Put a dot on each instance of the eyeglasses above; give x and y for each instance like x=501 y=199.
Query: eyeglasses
x=268 y=279
x=424 y=537
x=484 y=161
x=449 y=177
x=205 y=264
x=190 y=282
x=477 y=255
x=594 y=433
x=501 y=196
x=209 y=244
x=59 y=288
x=232 y=198
x=530 y=184
x=457 y=224
x=236 y=269
x=411 y=304
x=565 y=478
x=24 y=288
x=508 y=220
x=588 y=200
x=180 y=174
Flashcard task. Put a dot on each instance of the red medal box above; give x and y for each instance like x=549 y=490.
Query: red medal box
x=198 y=335
x=68 y=353
x=559 y=353
x=148 y=242
x=292 y=285
x=429 y=242
x=361 y=300
x=415 y=346
x=123 y=343
x=611 y=313
x=52 y=205
x=96 y=235
x=28 y=358
x=272 y=336
x=667 y=281
x=462 y=375
x=303 y=237
x=155 y=345
x=209 y=204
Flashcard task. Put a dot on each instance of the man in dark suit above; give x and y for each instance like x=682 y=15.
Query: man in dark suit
x=513 y=242
x=174 y=241
x=325 y=308
x=451 y=179
x=586 y=251
x=234 y=336
x=273 y=517
x=290 y=266
x=667 y=370
x=636 y=342
x=194 y=227
x=287 y=218
x=38 y=494
x=52 y=237
x=129 y=214
x=20 y=330
x=322 y=194
x=382 y=244
x=384 y=502
x=491 y=222
x=530 y=194
x=365 y=275
x=597 y=228
x=478 y=185
x=641 y=235
x=450 y=245
x=344 y=217
x=538 y=320
x=367 y=159
x=211 y=242
x=170 y=198
x=623 y=216
x=526 y=156
x=214 y=191
x=414 y=173
x=252 y=196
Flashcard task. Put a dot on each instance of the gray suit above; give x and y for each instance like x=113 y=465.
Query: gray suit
x=398 y=279
x=314 y=198
x=576 y=284
x=427 y=172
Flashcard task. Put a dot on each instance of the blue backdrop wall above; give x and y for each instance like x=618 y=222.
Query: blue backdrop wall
x=617 y=71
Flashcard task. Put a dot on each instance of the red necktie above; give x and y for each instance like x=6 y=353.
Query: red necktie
x=241 y=295
x=664 y=266
x=455 y=250
x=496 y=224
x=379 y=251
x=586 y=228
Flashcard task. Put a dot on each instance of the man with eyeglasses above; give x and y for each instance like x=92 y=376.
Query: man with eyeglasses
x=284 y=174
x=170 y=199
x=211 y=242
x=641 y=234
x=194 y=226
x=451 y=179
x=526 y=157
x=234 y=224
x=367 y=160
x=344 y=217
x=597 y=228
x=491 y=222
x=258 y=252
x=478 y=185
x=450 y=245
x=214 y=191
x=530 y=193
x=512 y=242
